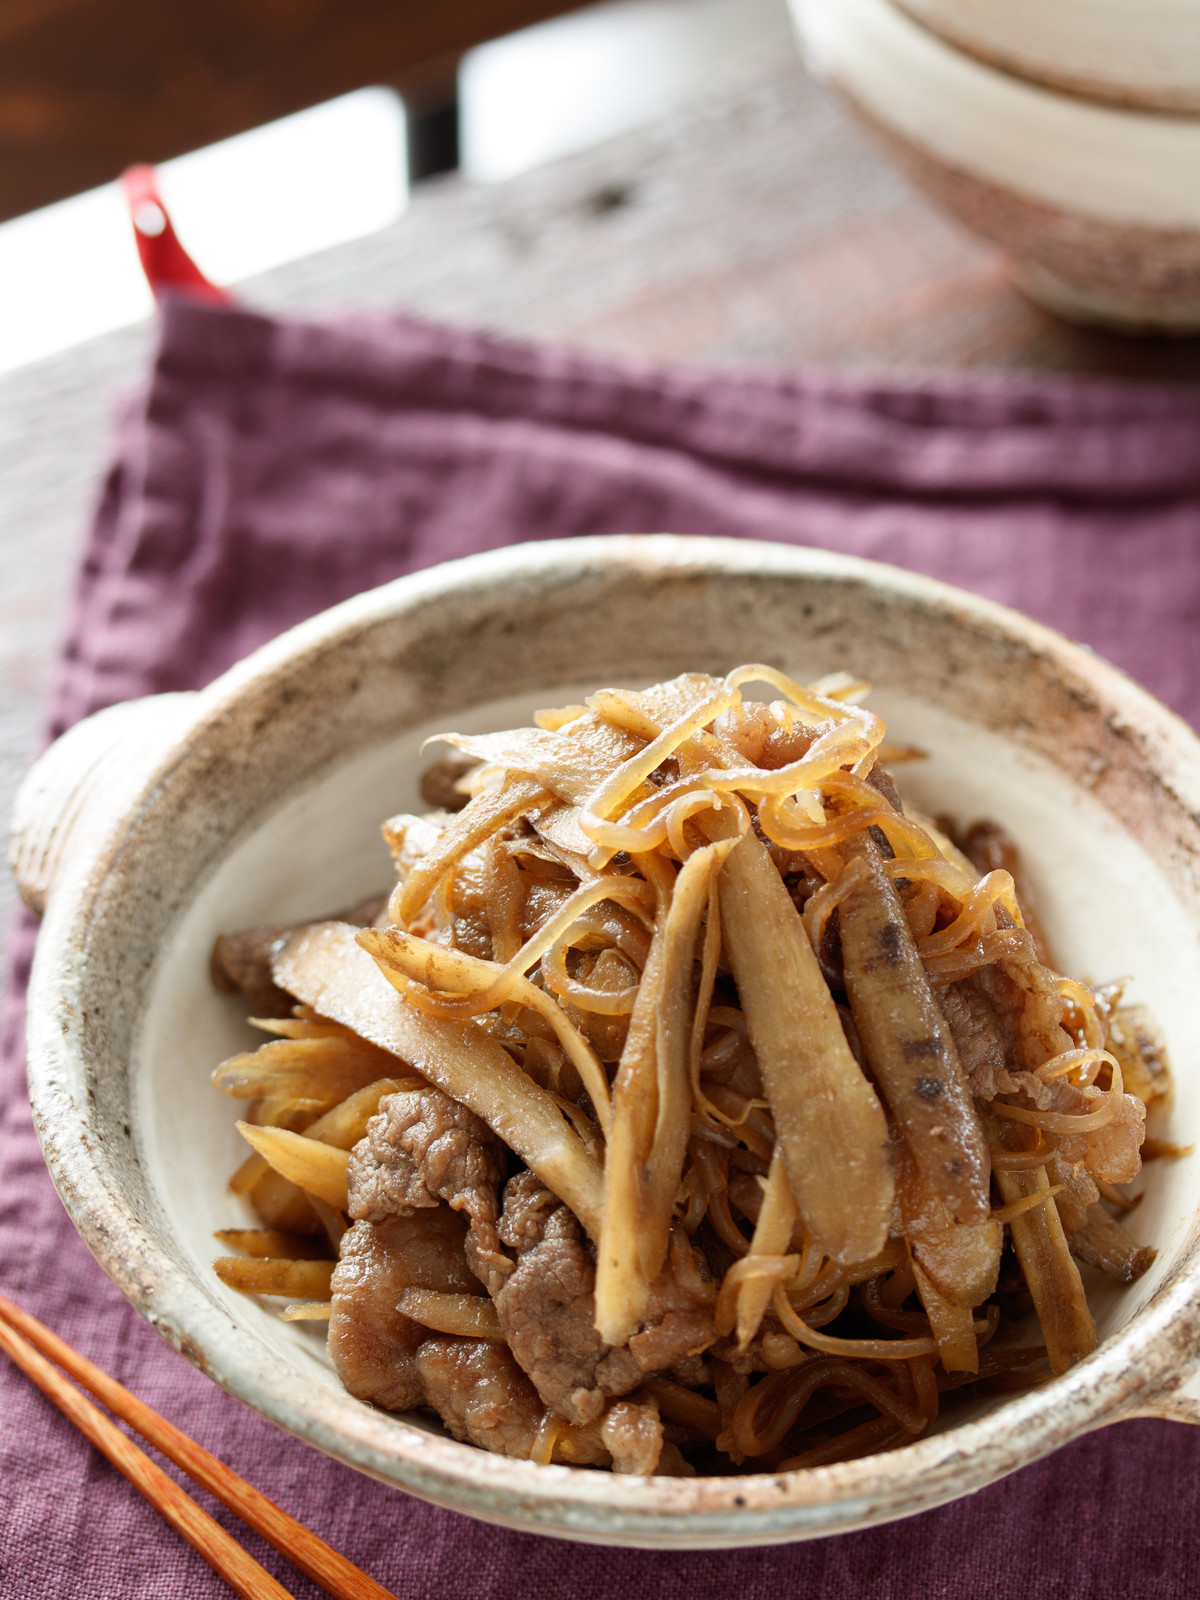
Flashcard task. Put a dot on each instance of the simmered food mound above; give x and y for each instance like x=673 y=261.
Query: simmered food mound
x=691 y=1104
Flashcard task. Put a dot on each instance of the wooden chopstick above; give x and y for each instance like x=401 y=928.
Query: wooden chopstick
x=222 y=1552
x=322 y=1563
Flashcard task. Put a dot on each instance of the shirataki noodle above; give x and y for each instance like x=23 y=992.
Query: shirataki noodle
x=691 y=1104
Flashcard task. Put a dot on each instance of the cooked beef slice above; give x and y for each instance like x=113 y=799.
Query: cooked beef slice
x=241 y=962
x=977 y=1035
x=423 y=1149
x=547 y=1310
x=372 y=1345
x=679 y=1314
x=420 y=1148
x=1004 y=1023
x=481 y=1394
x=439 y=782
x=483 y=1397
x=633 y=1432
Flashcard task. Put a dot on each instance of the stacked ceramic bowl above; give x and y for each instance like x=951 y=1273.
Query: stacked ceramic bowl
x=1065 y=131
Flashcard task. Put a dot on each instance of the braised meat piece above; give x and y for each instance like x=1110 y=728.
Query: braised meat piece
x=241 y=962
x=633 y=1432
x=977 y=1036
x=1112 y=1153
x=679 y=1313
x=1004 y=1023
x=482 y=1396
x=439 y=783
x=423 y=1147
x=547 y=1309
x=986 y=1015
x=1019 y=1001
x=372 y=1345
x=528 y=1208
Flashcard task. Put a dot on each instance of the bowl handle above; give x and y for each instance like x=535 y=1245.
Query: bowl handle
x=1179 y=1403
x=81 y=782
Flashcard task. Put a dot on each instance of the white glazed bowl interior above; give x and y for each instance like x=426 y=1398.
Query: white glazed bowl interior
x=268 y=807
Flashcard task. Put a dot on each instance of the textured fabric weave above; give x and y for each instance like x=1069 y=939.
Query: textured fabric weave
x=271 y=469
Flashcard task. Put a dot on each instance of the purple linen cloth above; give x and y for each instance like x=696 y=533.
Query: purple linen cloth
x=272 y=469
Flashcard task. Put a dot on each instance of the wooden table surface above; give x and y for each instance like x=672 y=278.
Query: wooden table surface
x=761 y=227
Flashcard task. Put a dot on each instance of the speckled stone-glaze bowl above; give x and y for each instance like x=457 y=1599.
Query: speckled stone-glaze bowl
x=1095 y=204
x=1143 y=53
x=155 y=825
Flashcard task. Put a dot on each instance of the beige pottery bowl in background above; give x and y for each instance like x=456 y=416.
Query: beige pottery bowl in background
x=1096 y=205
x=150 y=828
x=1125 y=52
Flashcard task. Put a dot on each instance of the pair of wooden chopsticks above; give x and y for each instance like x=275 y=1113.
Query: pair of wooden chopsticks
x=22 y=1337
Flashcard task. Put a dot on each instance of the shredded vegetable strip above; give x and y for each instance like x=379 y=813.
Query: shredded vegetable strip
x=433 y=966
x=489 y=985
x=622 y=1288
x=819 y=706
x=638 y=768
x=505 y=901
x=829 y=1120
x=485 y=814
x=952 y=1325
x=769 y=1411
x=673 y=1028
x=631 y=893
x=945 y=875
x=1083 y=1000
x=710 y=956
x=772 y=1234
x=907 y=1042
x=325 y=967
x=996 y=889
x=1019 y=1207
x=1050 y=1271
x=793 y=834
x=860 y=1349
x=1083 y=1067
x=469 y=1316
x=317 y=1167
x=569 y=761
x=826 y=900
x=607 y=1002
x=1060 y=1121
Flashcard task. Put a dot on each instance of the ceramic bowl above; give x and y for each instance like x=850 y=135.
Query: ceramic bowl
x=1125 y=52
x=1097 y=206
x=155 y=825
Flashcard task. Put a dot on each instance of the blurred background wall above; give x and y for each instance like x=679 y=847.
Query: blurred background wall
x=284 y=126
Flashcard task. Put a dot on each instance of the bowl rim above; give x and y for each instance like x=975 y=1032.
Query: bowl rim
x=1148 y=1357
x=1118 y=164
x=1141 y=55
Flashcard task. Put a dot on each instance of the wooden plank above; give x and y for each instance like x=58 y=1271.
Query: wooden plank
x=762 y=225
x=89 y=86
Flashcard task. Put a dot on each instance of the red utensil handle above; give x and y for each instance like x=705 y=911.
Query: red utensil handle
x=165 y=262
